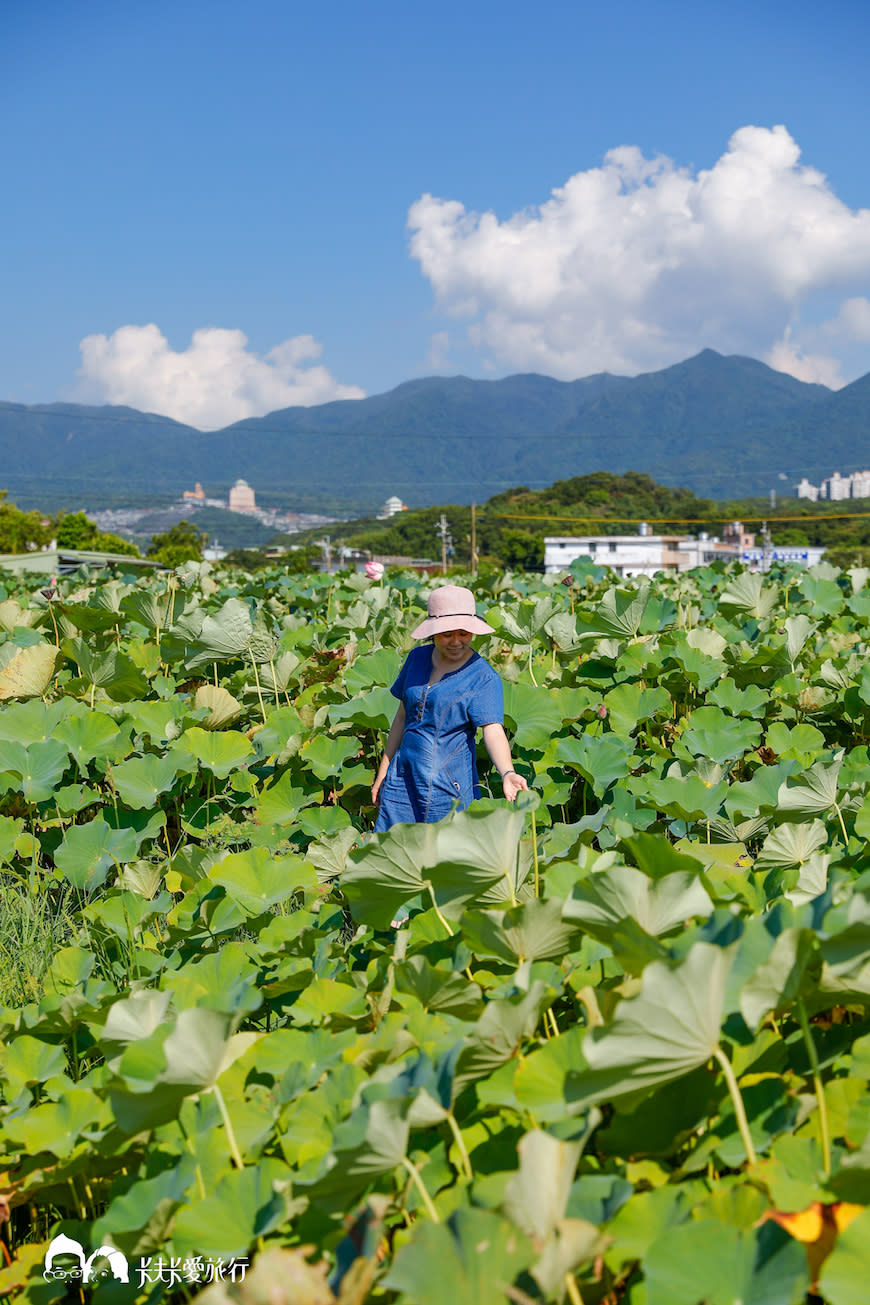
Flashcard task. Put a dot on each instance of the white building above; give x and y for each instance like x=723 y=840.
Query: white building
x=836 y=487
x=645 y=554
x=242 y=498
x=861 y=484
x=805 y=490
x=392 y=506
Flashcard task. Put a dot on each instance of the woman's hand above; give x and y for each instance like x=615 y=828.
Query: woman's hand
x=376 y=787
x=512 y=783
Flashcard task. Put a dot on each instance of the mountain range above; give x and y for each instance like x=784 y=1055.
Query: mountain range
x=725 y=427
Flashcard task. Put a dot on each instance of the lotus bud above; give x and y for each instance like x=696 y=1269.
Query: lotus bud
x=601 y=713
x=375 y=570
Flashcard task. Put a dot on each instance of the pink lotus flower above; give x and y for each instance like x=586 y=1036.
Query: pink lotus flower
x=375 y=570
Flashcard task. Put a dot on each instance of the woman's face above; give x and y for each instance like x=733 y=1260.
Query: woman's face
x=452 y=645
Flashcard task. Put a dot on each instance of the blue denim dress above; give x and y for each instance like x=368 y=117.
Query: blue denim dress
x=436 y=764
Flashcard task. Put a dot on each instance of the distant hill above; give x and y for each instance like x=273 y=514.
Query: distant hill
x=725 y=427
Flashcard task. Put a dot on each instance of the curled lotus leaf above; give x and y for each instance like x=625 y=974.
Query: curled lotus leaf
x=221 y=706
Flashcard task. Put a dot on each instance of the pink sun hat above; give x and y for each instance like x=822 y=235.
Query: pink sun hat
x=451 y=608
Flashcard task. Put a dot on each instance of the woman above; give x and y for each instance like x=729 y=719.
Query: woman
x=446 y=692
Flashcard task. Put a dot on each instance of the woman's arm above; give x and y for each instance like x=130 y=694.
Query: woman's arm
x=394 y=738
x=499 y=749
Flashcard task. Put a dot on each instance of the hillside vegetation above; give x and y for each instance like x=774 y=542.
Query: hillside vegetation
x=511 y=527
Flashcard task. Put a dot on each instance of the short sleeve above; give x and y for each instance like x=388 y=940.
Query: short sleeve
x=397 y=688
x=487 y=702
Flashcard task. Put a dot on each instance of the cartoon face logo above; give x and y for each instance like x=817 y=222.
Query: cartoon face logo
x=65 y=1258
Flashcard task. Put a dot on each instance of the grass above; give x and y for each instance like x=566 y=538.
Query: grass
x=35 y=921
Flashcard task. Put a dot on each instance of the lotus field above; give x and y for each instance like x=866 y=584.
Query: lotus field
x=621 y=1051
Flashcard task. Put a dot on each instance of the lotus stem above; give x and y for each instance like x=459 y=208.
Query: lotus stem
x=572 y=1289
x=842 y=823
x=437 y=912
x=274 y=681
x=739 y=1108
x=818 y=1086
x=259 y=689
x=460 y=1145
x=231 y=1137
x=535 y=855
x=421 y=1188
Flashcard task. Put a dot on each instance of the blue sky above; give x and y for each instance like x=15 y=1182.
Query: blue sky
x=212 y=167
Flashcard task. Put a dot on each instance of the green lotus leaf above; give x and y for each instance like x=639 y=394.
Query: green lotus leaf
x=686 y=797
x=621 y=892
x=133 y=1019
x=712 y=734
x=536 y=716
x=10 y=831
x=533 y=932
x=322 y=822
x=281 y=803
x=437 y=989
x=326 y=1001
x=812 y=793
x=620 y=611
x=156 y=1074
x=601 y=761
x=372 y=1142
x=712 y=1261
x=460 y=857
x=141 y=780
x=500 y=1032
x=746 y=594
x=473 y=1259
x=57 y=1127
x=27 y=1061
x=224 y=637
x=670 y=1028
x=256 y=880
x=224 y=981
x=110 y=670
x=750 y=701
x=88 y=852
x=630 y=704
x=372 y=710
x=327 y=756
x=246 y=1204
x=219 y=753
x=39 y=767
x=536 y=1197
x=790 y=972
x=791 y=845
x=93 y=736
x=375 y=668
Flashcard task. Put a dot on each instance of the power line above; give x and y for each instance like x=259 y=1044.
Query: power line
x=683 y=521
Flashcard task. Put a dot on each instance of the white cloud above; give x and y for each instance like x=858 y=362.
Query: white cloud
x=815 y=368
x=639 y=263
x=439 y=350
x=852 y=321
x=215 y=381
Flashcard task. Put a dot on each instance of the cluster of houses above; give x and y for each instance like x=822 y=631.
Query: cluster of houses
x=836 y=487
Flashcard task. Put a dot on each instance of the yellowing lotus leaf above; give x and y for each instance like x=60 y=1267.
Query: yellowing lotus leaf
x=29 y=673
x=222 y=706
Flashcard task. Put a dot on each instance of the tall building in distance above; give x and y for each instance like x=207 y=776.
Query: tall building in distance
x=836 y=487
x=242 y=498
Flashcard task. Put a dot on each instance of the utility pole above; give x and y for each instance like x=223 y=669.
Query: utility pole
x=326 y=544
x=766 y=548
x=474 y=539
x=773 y=498
x=441 y=529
